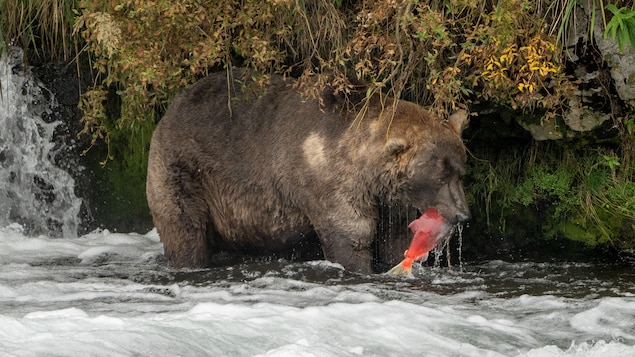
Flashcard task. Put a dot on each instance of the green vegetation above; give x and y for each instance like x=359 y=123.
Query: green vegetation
x=44 y=26
x=585 y=195
x=451 y=54
x=621 y=26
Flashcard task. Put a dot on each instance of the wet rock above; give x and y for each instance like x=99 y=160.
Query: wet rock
x=583 y=118
x=547 y=130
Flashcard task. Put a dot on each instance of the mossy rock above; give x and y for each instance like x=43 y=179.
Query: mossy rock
x=575 y=233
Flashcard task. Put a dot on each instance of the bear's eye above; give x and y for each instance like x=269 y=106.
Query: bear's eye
x=445 y=173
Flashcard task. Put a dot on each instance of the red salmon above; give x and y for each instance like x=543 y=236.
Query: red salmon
x=429 y=230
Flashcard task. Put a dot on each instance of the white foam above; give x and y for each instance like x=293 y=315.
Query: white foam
x=56 y=314
x=612 y=316
x=98 y=295
x=595 y=349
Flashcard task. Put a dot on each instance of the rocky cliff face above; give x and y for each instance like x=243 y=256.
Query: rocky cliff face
x=605 y=75
x=621 y=63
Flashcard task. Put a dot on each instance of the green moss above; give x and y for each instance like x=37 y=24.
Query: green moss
x=582 y=195
x=575 y=233
x=127 y=175
x=119 y=197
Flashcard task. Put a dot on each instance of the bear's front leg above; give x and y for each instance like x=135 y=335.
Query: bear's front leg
x=349 y=245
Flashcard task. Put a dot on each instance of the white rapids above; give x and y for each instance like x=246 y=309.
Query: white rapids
x=109 y=294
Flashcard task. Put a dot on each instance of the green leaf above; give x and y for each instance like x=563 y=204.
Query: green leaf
x=627 y=13
x=612 y=8
x=622 y=38
x=631 y=31
x=610 y=30
x=622 y=26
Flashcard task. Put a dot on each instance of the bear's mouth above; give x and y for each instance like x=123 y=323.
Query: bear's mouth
x=452 y=216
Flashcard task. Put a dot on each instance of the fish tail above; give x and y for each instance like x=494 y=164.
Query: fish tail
x=399 y=270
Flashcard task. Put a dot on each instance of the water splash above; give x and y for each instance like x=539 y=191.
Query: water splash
x=35 y=192
x=459 y=228
x=443 y=249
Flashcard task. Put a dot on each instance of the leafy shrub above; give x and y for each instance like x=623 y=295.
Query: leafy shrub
x=443 y=54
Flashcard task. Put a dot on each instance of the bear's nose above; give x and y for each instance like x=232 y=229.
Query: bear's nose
x=462 y=216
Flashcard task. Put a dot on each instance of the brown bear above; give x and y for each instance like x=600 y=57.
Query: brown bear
x=262 y=175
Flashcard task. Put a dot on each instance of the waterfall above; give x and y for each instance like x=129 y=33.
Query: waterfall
x=34 y=191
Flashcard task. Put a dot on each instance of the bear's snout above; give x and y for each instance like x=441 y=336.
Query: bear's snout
x=463 y=216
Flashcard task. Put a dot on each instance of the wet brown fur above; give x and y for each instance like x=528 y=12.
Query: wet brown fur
x=281 y=168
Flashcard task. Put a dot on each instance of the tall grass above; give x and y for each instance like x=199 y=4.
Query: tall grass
x=43 y=26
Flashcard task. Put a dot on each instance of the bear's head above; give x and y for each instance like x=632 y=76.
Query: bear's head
x=427 y=160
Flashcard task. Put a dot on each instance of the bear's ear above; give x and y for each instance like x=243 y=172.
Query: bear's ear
x=458 y=121
x=396 y=146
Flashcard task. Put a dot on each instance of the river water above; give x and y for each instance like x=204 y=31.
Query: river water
x=111 y=294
